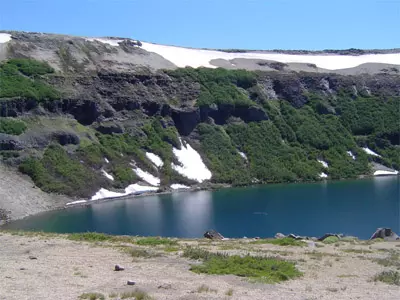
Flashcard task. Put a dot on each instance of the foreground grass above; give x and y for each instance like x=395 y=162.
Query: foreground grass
x=389 y=277
x=280 y=242
x=264 y=269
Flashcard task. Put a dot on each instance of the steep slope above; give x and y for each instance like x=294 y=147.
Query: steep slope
x=95 y=118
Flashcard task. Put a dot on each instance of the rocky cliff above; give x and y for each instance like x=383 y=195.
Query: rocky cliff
x=92 y=119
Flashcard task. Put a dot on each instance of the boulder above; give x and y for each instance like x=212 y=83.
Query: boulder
x=131 y=282
x=280 y=235
x=213 y=235
x=385 y=233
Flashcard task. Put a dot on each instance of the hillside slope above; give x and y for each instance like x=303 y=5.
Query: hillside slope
x=102 y=118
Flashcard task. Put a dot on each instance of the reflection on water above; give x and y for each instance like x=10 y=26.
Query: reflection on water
x=194 y=211
x=350 y=207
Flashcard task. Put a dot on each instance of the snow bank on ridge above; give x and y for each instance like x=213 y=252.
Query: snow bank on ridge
x=107 y=175
x=195 y=58
x=370 y=152
x=351 y=155
x=177 y=186
x=155 y=159
x=383 y=172
x=193 y=166
x=5 y=37
x=324 y=163
x=146 y=176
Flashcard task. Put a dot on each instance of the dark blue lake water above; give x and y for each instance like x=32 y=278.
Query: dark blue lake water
x=350 y=207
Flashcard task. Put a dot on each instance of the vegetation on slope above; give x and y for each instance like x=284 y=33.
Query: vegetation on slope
x=284 y=148
x=22 y=78
x=12 y=126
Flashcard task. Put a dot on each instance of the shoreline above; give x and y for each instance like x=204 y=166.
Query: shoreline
x=211 y=188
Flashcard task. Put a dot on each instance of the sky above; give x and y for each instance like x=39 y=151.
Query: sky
x=220 y=24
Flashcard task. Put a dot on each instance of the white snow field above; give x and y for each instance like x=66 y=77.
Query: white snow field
x=195 y=58
x=146 y=176
x=243 y=155
x=193 y=166
x=177 y=186
x=382 y=172
x=109 y=176
x=324 y=163
x=370 y=152
x=131 y=189
x=351 y=155
x=323 y=175
x=155 y=159
x=5 y=37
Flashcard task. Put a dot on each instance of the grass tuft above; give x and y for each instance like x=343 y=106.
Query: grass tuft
x=137 y=295
x=92 y=296
x=389 y=277
x=280 y=242
x=154 y=241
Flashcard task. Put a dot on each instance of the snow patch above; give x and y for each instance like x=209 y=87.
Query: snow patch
x=324 y=163
x=370 y=152
x=193 y=166
x=107 y=175
x=155 y=159
x=351 y=155
x=243 y=155
x=76 y=202
x=323 y=175
x=195 y=58
x=106 y=160
x=131 y=189
x=146 y=176
x=5 y=38
x=177 y=186
x=110 y=42
x=382 y=173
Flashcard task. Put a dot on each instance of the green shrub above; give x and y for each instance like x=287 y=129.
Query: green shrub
x=31 y=67
x=11 y=126
x=92 y=296
x=58 y=172
x=13 y=83
x=265 y=269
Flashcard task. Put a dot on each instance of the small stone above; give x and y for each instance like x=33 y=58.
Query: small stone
x=32 y=257
x=119 y=268
x=131 y=282
x=165 y=286
x=22 y=269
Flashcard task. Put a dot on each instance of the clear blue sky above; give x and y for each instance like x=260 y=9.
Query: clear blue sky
x=250 y=24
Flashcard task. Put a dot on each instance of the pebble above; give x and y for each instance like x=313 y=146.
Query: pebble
x=131 y=282
x=119 y=268
x=32 y=257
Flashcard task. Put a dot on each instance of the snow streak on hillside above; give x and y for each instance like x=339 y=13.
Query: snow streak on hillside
x=195 y=58
x=193 y=166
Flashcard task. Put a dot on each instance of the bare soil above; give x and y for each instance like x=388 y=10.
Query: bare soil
x=65 y=269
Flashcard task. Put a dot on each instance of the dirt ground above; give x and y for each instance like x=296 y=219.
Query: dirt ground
x=53 y=267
